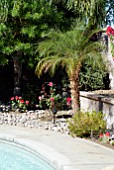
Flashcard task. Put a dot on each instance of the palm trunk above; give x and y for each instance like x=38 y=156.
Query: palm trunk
x=74 y=95
x=17 y=75
x=74 y=86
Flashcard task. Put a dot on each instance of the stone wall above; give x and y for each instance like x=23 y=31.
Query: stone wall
x=90 y=101
x=34 y=119
x=43 y=119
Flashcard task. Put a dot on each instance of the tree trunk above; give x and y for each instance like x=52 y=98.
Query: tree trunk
x=74 y=86
x=74 y=95
x=17 y=75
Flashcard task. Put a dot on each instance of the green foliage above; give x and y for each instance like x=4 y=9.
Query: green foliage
x=21 y=28
x=104 y=138
x=68 y=50
x=23 y=24
x=53 y=98
x=30 y=91
x=83 y=123
x=91 y=78
x=19 y=103
x=96 y=12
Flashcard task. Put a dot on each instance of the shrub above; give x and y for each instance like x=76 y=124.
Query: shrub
x=84 y=124
x=53 y=97
x=18 y=103
x=92 y=78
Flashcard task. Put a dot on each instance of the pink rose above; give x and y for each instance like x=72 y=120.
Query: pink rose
x=27 y=102
x=16 y=97
x=12 y=98
x=52 y=99
x=101 y=135
x=50 y=84
x=40 y=97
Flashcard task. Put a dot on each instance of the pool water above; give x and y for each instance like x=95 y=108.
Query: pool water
x=13 y=157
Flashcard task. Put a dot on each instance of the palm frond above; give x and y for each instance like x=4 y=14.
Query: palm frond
x=67 y=49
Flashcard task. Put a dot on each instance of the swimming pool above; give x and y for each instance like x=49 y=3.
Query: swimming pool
x=14 y=157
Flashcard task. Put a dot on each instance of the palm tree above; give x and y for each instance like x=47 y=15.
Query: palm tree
x=69 y=50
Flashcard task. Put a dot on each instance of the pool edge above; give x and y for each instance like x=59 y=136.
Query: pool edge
x=48 y=154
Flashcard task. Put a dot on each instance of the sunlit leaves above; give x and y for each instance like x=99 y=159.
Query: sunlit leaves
x=30 y=31
x=99 y=12
x=68 y=50
x=3 y=10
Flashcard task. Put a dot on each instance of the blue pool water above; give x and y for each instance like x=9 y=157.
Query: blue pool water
x=13 y=157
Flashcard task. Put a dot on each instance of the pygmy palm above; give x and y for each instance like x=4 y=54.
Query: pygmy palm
x=69 y=50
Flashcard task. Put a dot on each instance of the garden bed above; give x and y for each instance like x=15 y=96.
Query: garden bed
x=108 y=145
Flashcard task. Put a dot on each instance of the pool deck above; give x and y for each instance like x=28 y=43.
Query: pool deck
x=61 y=150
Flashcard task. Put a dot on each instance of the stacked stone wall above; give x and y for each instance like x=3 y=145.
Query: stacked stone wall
x=34 y=119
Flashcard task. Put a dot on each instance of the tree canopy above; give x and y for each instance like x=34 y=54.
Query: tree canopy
x=24 y=23
x=95 y=12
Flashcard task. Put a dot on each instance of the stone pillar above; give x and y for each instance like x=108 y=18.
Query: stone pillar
x=109 y=60
x=111 y=65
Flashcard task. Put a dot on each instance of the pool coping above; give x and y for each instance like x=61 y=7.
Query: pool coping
x=48 y=154
x=60 y=150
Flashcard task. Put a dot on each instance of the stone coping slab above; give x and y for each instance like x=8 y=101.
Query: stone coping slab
x=61 y=150
x=97 y=97
x=48 y=154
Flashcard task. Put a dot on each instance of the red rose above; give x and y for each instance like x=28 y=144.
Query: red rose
x=21 y=101
x=110 y=30
x=68 y=99
x=107 y=134
x=101 y=135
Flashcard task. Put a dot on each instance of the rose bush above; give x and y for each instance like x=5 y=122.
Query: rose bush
x=53 y=99
x=18 y=103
